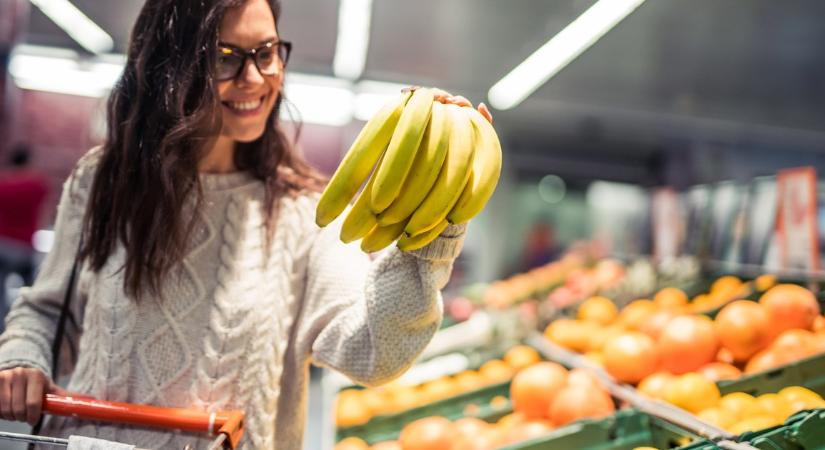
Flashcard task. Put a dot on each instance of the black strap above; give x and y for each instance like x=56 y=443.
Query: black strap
x=61 y=330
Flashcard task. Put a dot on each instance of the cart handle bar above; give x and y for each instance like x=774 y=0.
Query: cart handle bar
x=230 y=423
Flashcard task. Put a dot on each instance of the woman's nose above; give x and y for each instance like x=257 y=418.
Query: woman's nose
x=251 y=74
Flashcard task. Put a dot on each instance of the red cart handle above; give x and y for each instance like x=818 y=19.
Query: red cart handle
x=230 y=423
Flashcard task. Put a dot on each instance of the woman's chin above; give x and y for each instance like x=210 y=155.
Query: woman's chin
x=247 y=135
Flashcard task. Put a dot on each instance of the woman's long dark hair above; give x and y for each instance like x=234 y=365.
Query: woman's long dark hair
x=161 y=114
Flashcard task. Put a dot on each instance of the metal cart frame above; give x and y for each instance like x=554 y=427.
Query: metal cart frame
x=226 y=426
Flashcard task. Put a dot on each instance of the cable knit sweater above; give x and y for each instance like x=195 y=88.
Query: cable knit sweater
x=233 y=328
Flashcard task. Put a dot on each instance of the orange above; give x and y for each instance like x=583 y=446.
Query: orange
x=754 y=423
x=636 y=313
x=687 y=343
x=739 y=405
x=599 y=310
x=716 y=371
x=571 y=334
x=499 y=402
x=534 y=388
x=819 y=324
x=350 y=409
x=802 y=397
x=430 y=433
x=496 y=371
x=744 y=328
x=656 y=323
x=601 y=336
x=717 y=417
x=438 y=389
x=402 y=398
x=671 y=298
x=794 y=344
x=470 y=427
x=526 y=431
x=521 y=356
x=790 y=306
x=656 y=385
x=469 y=380
x=387 y=445
x=726 y=286
x=775 y=406
x=764 y=360
x=352 y=443
x=583 y=377
x=579 y=402
x=764 y=282
x=630 y=357
x=693 y=393
x=724 y=356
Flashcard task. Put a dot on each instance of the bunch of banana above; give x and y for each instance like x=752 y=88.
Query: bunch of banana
x=431 y=165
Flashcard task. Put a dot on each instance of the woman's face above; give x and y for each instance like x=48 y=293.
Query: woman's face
x=247 y=100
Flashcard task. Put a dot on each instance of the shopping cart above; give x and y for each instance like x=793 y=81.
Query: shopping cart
x=227 y=426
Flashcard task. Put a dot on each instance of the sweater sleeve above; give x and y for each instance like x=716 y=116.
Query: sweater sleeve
x=32 y=320
x=370 y=319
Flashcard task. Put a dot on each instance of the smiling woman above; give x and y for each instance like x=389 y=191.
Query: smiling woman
x=204 y=280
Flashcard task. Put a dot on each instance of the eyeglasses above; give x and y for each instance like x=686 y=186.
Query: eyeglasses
x=268 y=58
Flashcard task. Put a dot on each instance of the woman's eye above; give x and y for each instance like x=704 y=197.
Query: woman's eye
x=266 y=55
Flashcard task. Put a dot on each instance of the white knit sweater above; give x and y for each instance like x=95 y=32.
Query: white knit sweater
x=233 y=329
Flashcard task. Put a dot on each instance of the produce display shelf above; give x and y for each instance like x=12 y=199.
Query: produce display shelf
x=625 y=430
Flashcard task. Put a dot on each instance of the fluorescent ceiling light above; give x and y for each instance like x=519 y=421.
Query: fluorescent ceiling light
x=76 y=24
x=564 y=47
x=353 y=38
x=63 y=72
x=319 y=99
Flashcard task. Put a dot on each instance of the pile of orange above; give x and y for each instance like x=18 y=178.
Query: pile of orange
x=662 y=335
x=357 y=406
x=544 y=396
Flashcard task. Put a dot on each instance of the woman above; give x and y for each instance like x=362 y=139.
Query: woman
x=205 y=282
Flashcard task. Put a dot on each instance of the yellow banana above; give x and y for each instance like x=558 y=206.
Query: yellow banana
x=408 y=243
x=380 y=237
x=428 y=160
x=390 y=175
x=360 y=219
x=486 y=170
x=359 y=161
x=454 y=174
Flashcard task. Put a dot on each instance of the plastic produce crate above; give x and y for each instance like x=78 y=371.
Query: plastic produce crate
x=625 y=430
x=388 y=427
x=804 y=431
x=809 y=372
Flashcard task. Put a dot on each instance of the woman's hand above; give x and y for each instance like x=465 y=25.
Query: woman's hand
x=21 y=394
x=445 y=97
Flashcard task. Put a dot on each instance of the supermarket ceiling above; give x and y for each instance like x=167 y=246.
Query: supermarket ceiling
x=673 y=70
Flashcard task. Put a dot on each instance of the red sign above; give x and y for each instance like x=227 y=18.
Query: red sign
x=796 y=224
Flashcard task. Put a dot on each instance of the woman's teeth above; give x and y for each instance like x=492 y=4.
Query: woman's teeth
x=246 y=106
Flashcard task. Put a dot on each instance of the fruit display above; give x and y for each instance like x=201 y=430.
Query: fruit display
x=425 y=164
x=358 y=406
x=544 y=396
x=663 y=335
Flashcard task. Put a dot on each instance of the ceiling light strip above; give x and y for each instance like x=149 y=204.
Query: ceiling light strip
x=559 y=51
x=76 y=24
x=352 y=44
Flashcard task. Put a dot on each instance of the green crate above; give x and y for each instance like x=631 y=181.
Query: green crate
x=805 y=430
x=809 y=372
x=625 y=430
x=388 y=427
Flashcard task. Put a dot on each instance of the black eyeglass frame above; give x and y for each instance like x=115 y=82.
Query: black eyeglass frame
x=245 y=54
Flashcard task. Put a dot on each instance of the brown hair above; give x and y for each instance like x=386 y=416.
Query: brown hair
x=161 y=113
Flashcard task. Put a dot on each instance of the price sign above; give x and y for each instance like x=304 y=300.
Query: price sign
x=797 y=219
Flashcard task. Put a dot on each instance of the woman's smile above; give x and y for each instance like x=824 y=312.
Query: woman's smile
x=246 y=107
